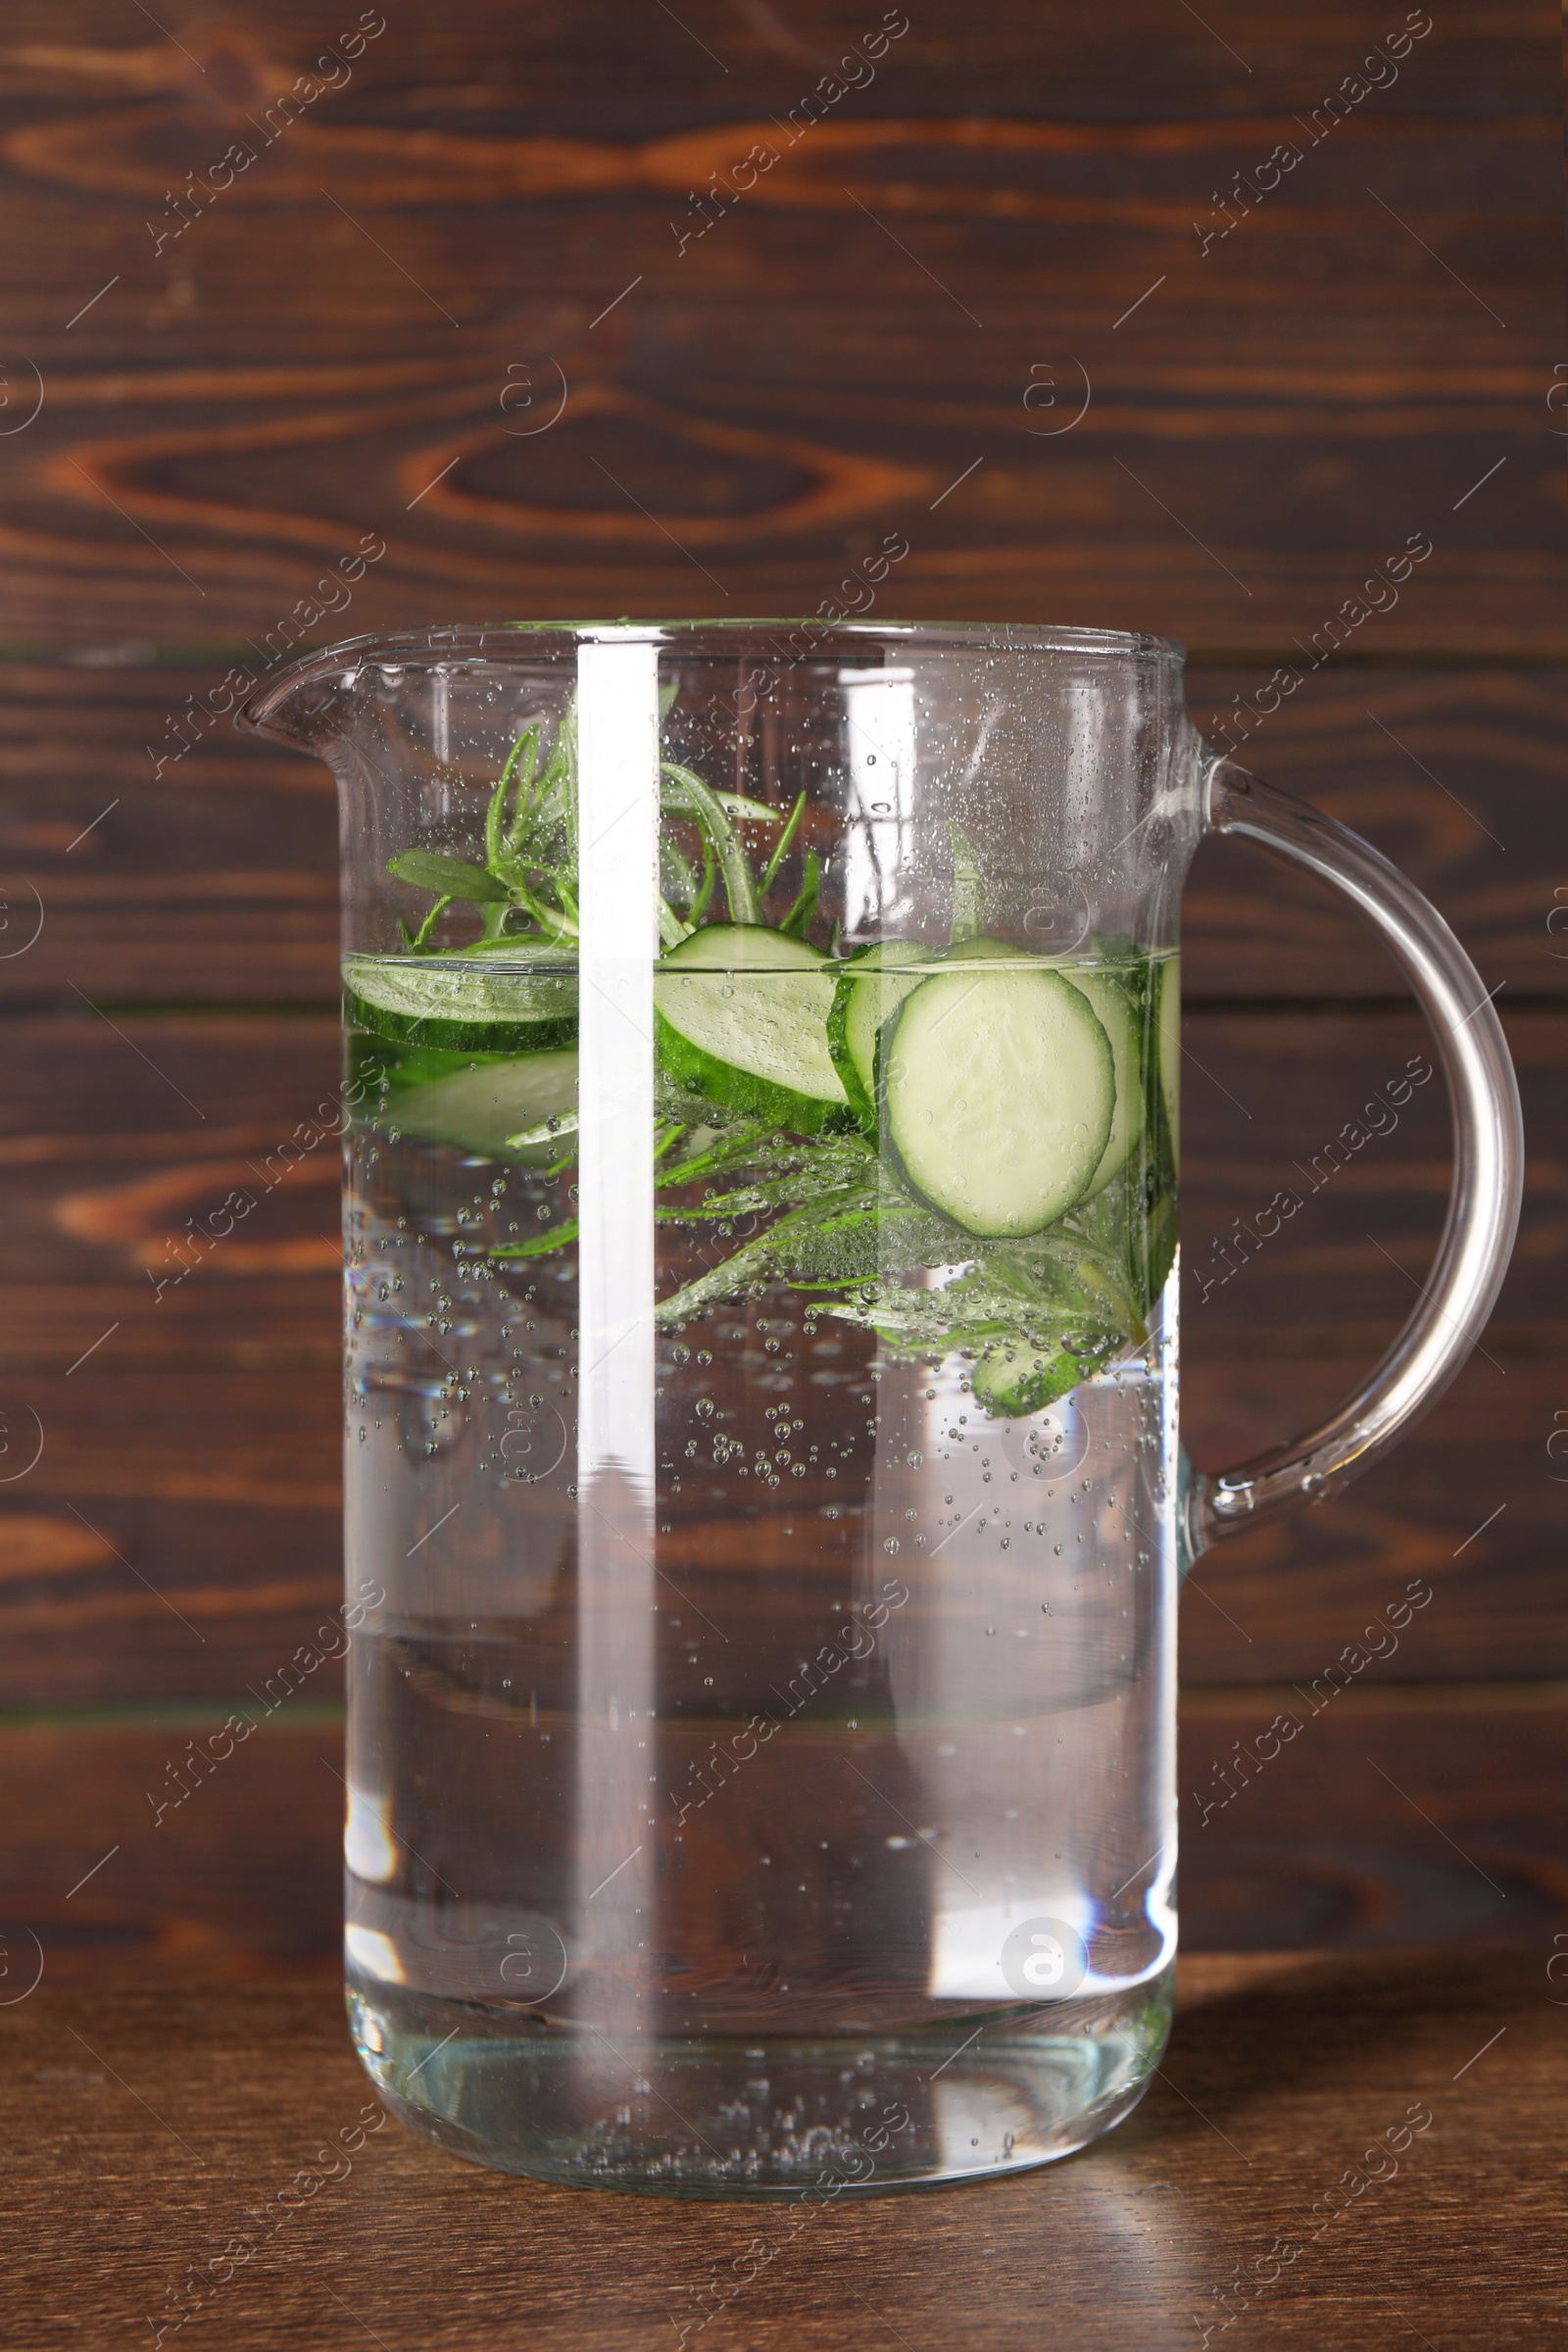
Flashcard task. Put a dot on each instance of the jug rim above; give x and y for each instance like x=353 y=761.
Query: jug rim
x=438 y=643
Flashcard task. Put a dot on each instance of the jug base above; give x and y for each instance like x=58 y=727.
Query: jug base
x=768 y=2117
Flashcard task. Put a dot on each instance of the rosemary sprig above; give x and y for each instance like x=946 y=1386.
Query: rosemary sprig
x=528 y=883
x=782 y=847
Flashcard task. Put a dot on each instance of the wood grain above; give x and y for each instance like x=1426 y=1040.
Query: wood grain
x=1323 y=378
x=144 y=1125
x=191 y=1437
x=216 y=880
x=1117 y=526
x=1389 y=1818
x=1299 y=1102
x=592 y=66
x=1280 y=2074
x=1450 y=773
x=1011 y=204
x=180 y=1537
x=1468 y=1507
x=242 y=1876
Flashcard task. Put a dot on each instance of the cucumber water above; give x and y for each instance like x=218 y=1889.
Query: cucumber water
x=742 y=1015
x=865 y=1514
x=969 y=1152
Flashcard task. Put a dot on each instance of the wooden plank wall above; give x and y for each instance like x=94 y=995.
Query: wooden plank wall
x=361 y=335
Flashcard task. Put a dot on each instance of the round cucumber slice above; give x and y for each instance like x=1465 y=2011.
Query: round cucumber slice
x=1117 y=1013
x=871 y=988
x=517 y=1109
x=510 y=997
x=741 y=1015
x=999 y=1089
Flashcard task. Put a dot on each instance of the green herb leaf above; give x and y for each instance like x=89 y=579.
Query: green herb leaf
x=692 y=797
x=448 y=877
x=414 y=941
x=798 y=921
x=781 y=847
x=554 y=1237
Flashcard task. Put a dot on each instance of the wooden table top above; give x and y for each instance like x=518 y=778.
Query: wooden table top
x=1338 y=2152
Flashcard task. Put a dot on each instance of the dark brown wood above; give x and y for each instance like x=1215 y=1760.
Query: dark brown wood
x=1306 y=1104
x=243 y=1875
x=1332 y=1809
x=257 y=507
x=179 y=1532
x=1452 y=773
x=146 y=2131
x=215 y=881
x=591 y=65
x=296 y=367
x=225 y=417
x=1283 y=1601
x=1387 y=1817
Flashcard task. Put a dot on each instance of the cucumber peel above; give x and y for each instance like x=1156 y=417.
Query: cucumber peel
x=1118 y=1017
x=468 y=1001
x=1013 y=1378
x=871 y=988
x=1170 y=1054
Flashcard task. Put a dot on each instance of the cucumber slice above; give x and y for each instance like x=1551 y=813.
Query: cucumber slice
x=1170 y=1050
x=867 y=994
x=1016 y=1379
x=468 y=1001
x=516 y=1109
x=998 y=1094
x=1117 y=1015
x=741 y=1016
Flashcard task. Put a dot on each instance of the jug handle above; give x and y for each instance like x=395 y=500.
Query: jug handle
x=1488 y=1167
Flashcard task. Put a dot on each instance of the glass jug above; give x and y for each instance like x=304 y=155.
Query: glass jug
x=764 y=1505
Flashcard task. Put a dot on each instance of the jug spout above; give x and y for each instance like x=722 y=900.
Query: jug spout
x=312 y=703
x=417 y=727
x=392 y=713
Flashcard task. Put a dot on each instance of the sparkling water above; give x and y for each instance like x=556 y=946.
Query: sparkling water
x=755 y=1744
